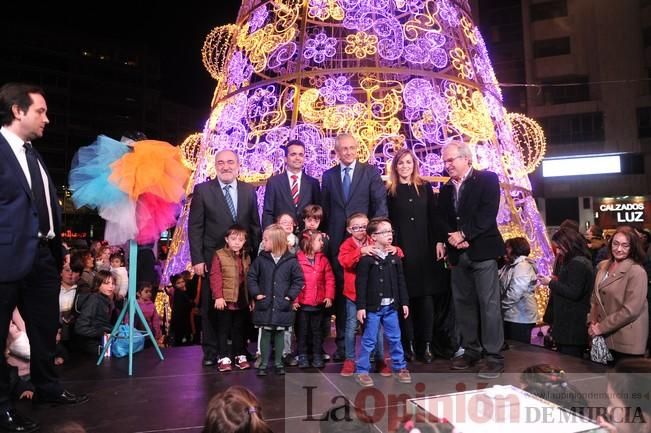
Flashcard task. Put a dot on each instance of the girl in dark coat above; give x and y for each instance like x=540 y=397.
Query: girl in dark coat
x=94 y=314
x=274 y=280
x=570 y=289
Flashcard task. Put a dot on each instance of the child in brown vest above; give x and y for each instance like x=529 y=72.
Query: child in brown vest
x=228 y=271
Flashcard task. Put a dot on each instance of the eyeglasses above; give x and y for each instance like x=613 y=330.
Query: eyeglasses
x=386 y=232
x=451 y=160
x=623 y=245
x=358 y=229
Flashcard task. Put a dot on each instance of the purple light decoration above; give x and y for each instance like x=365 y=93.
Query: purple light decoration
x=449 y=14
x=319 y=9
x=320 y=47
x=239 y=69
x=258 y=17
x=259 y=112
x=335 y=90
x=281 y=56
x=262 y=100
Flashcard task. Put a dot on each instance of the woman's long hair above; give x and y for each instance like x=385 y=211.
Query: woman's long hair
x=572 y=242
x=415 y=180
x=235 y=410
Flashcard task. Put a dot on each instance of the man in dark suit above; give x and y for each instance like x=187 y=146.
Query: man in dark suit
x=468 y=205
x=216 y=205
x=291 y=191
x=30 y=248
x=349 y=187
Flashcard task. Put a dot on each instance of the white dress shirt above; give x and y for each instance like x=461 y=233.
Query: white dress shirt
x=352 y=170
x=232 y=191
x=17 y=146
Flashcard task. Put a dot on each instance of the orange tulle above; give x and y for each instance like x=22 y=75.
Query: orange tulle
x=153 y=167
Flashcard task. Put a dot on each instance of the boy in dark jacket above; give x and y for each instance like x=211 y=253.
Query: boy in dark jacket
x=95 y=310
x=381 y=293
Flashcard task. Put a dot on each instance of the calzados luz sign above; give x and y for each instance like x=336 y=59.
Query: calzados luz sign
x=625 y=212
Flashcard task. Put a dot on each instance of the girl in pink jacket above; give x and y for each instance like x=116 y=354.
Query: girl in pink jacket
x=317 y=295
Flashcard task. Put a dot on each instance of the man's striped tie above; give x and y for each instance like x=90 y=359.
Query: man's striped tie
x=295 y=189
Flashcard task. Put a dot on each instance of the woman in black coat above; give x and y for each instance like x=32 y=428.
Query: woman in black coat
x=411 y=205
x=570 y=290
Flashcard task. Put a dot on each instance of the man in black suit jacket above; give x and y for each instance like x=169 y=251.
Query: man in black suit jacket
x=468 y=206
x=290 y=191
x=349 y=187
x=30 y=248
x=212 y=212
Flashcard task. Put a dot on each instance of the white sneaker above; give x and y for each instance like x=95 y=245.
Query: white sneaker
x=224 y=364
x=458 y=353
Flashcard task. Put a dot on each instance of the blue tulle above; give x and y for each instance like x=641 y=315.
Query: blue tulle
x=89 y=176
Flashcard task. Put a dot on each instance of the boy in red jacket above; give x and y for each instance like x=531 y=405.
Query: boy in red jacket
x=315 y=297
x=359 y=244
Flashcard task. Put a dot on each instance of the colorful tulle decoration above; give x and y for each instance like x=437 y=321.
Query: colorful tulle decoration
x=136 y=190
x=154 y=215
x=89 y=175
x=153 y=167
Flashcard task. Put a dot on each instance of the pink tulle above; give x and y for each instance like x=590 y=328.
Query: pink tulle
x=153 y=216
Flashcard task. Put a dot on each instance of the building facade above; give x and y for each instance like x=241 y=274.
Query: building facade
x=592 y=61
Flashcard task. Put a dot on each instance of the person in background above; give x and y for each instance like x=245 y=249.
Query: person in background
x=619 y=309
x=236 y=410
x=182 y=305
x=629 y=409
x=148 y=308
x=95 y=314
x=85 y=282
x=121 y=276
x=518 y=280
x=570 y=288
x=596 y=244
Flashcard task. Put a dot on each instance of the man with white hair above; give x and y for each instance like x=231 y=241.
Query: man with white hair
x=468 y=234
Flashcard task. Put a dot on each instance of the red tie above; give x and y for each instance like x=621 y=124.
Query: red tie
x=295 y=189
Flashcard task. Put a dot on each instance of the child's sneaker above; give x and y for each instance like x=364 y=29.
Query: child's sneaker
x=364 y=380
x=317 y=362
x=382 y=367
x=241 y=362
x=348 y=369
x=224 y=364
x=403 y=376
x=303 y=362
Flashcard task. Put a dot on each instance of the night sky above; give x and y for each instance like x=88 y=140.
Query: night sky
x=177 y=31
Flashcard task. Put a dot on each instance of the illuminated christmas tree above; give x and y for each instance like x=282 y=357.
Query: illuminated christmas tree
x=392 y=73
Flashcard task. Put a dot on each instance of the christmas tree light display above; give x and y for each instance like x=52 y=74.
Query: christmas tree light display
x=392 y=73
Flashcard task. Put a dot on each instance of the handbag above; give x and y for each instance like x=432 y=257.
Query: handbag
x=120 y=343
x=599 y=351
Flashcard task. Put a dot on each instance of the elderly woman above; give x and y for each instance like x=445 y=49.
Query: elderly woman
x=619 y=309
x=570 y=289
x=518 y=282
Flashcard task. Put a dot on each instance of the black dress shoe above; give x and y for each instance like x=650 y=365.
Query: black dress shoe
x=428 y=357
x=338 y=357
x=10 y=420
x=463 y=363
x=65 y=398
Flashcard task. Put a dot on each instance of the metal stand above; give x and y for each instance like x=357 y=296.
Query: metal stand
x=132 y=307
